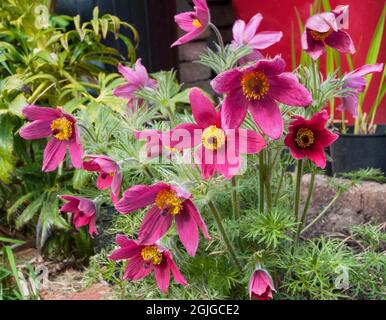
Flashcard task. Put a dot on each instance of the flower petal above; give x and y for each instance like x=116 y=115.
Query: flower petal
x=206 y=165
x=104 y=181
x=265 y=39
x=76 y=154
x=248 y=141
x=233 y=110
x=270 y=67
x=177 y=275
x=267 y=115
x=185 y=21
x=341 y=41
x=37 y=129
x=162 y=275
x=138 y=197
x=154 y=226
x=54 y=154
x=136 y=269
x=32 y=112
x=187 y=231
x=227 y=81
x=238 y=31
x=286 y=89
x=203 y=110
x=193 y=212
x=252 y=26
x=189 y=36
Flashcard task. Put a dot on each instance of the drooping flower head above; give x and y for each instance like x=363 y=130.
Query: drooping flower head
x=109 y=175
x=257 y=88
x=143 y=259
x=261 y=285
x=326 y=29
x=83 y=211
x=356 y=82
x=137 y=78
x=218 y=149
x=61 y=127
x=309 y=138
x=246 y=34
x=193 y=22
x=167 y=203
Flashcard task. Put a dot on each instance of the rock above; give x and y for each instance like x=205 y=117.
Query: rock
x=191 y=51
x=360 y=204
x=191 y=72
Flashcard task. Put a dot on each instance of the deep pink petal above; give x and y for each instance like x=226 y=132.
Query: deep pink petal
x=92 y=226
x=32 y=112
x=286 y=89
x=136 y=268
x=270 y=67
x=87 y=206
x=37 y=129
x=183 y=136
x=193 y=212
x=124 y=241
x=322 y=22
x=228 y=162
x=316 y=155
x=126 y=91
x=129 y=248
x=318 y=121
x=116 y=187
x=138 y=197
x=162 y=276
x=189 y=36
x=248 y=141
x=177 y=275
x=54 y=154
x=227 y=81
x=104 y=181
x=326 y=138
x=296 y=152
x=187 y=231
x=312 y=47
x=349 y=104
x=203 y=110
x=207 y=166
x=233 y=110
x=341 y=41
x=154 y=226
x=267 y=115
x=185 y=21
x=366 y=69
x=76 y=154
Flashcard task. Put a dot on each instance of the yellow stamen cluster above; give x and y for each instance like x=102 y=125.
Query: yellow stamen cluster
x=255 y=85
x=153 y=254
x=320 y=36
x=213 y=138
x=196 y=23
x=168 y=200
x=304 y=138
x=62 y=128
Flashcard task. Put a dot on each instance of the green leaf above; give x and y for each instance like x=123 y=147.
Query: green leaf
x=12 y=265
x=7 y=159
x=18 y=104
x=29 y=212
x=18 y=203
x=95 y=20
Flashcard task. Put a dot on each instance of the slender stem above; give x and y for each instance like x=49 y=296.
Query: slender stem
x=36 y=95
x=261 y=183
x=218 y=35
x=171 y=116
x=306 y=206
x=344 y=129
x=279 y=186
x=328 y=207
x=223 y=234
x=299 y=173
x=235 y=199
x=267 y=180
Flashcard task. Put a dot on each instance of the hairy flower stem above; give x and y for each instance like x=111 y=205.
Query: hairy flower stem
x=299 y=173
x=223 y=234
x=306 y=206
x=171 y=116
x=261 y=181
x=218 y=35
x=236 y=204
x=267 y=181
x=281 y=178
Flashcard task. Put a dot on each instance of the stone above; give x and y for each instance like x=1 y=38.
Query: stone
x=360 y=204
x=192 y=72
x=191 y=51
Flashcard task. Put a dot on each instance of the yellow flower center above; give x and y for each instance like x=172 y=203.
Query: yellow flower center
x=152 y=254
x=62 y=128
x=304 y=138
x=213 y=138
x=320 y=36
x=255 y=85
x=196 y=23
x=168 y=202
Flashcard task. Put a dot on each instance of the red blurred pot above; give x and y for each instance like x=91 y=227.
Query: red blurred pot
x=279 y=15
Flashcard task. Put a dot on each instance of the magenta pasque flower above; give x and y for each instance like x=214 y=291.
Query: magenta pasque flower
x=218 y=149
x=246 y=34
x=309 y=138
x=257 y=88
x=143 y=259
x=193 y=22
x=109 y=175
x=83 y=210
x=167 y=203
x=261 y=285
x=61 y=127
x=137 y=78
x=356 y=82
x=326 y=29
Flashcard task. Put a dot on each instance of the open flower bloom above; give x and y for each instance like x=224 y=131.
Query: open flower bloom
x=61 y=127
x=83 y=210
x=325 y=29
x=356 y=82
x=261 y=285
x=143 y=259
x=109 y=175
x=246 y=34
x=137 y=78
x=193 y=22
x=218 y=149
x=309 y=138
x=167 y=203
x=257 y=88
